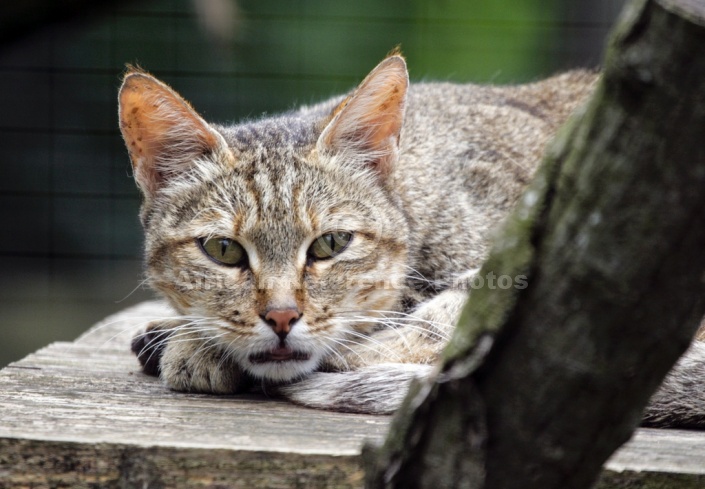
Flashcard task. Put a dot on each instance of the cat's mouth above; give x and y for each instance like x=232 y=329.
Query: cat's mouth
x=280 y=354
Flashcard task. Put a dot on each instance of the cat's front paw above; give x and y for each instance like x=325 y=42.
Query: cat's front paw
x=191 y=363
x=149 y=345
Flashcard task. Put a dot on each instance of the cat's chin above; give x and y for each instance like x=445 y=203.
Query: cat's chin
x=280 y=354
x=281 y=364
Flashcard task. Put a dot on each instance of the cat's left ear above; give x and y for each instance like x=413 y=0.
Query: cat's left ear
x=367 y=124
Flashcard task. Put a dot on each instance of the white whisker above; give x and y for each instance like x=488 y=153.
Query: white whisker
x=397 y=326
x=337 y=353
x=376 y=342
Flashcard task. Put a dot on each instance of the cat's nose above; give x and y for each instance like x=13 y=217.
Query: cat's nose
x=282 y=320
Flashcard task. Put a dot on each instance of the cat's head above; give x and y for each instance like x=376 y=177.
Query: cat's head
x=279 y=236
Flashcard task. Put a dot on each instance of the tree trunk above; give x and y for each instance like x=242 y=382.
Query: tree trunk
x=539 y=386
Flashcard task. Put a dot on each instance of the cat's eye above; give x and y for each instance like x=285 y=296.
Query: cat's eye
x=329 y=245
x=224 y=251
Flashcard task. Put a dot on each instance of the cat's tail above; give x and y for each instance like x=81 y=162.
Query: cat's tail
x=680 y=401
x=376 y=389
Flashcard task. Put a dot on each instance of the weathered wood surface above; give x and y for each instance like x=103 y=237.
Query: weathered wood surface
x=82 y=415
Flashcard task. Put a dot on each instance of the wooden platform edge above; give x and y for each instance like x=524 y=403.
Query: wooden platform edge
x=648 y=480
x=82 y=452
x=37 y=463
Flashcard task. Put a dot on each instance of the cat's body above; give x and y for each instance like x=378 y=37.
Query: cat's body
x=327 y=251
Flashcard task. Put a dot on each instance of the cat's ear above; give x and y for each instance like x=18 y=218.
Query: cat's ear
x=368 y=123
x=163 y=134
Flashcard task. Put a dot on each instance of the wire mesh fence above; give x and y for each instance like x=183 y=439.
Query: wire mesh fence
x=70 y=247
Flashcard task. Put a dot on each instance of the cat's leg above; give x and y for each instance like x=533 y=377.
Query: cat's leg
x=375 y=375
x=185 y=360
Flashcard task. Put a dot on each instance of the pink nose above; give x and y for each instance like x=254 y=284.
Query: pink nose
x=282 y=320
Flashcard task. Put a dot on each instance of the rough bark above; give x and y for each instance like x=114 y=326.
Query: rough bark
x=539 y=386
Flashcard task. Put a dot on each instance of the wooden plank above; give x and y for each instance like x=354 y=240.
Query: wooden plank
x=81 y=414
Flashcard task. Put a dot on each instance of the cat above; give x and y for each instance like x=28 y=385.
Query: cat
x=325 y=254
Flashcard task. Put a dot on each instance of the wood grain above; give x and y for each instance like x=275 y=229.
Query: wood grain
x=81 y=415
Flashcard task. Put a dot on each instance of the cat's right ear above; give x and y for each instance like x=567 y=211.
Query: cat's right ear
x=163 y=134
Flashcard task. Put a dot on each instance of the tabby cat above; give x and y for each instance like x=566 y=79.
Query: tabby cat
x=325 y=253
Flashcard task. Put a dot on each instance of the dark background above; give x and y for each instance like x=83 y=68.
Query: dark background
x=70 y=247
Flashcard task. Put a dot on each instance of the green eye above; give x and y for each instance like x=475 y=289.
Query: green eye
x=329 y=245
x=224 y=251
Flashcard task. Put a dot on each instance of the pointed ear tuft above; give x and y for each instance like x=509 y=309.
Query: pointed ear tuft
x=396 y=51
x=368 y=123
x=163 y=134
